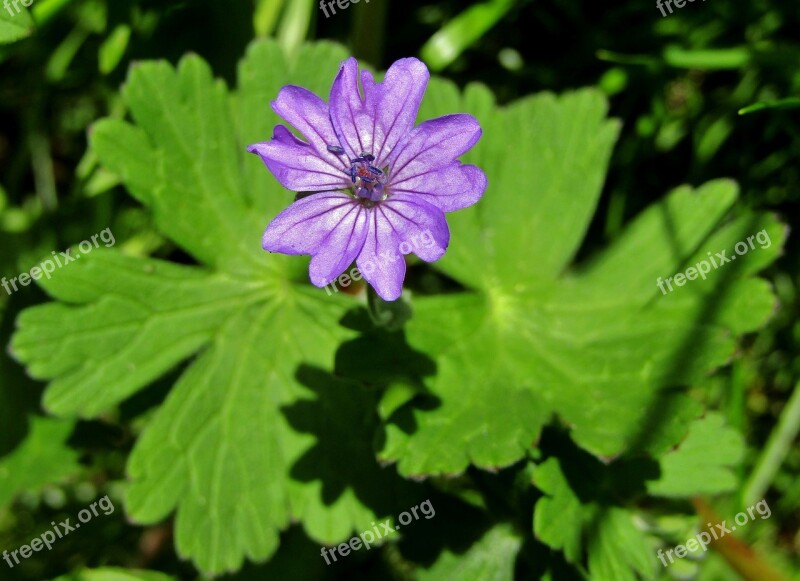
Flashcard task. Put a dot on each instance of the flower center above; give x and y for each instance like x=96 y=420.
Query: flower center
x=368 y=181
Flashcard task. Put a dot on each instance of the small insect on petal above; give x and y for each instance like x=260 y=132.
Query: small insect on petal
x=336 y=150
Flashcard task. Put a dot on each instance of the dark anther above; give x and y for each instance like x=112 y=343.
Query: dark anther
x=364 y=158
x=335 y=149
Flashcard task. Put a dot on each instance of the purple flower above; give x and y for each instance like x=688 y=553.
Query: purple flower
x=380 y=185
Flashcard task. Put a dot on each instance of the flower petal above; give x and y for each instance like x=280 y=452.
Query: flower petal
x=331 y=226
x=432 y=145
x=451 y=188
x=297 y=165
x=351 y=121
x=395 y=103
x=400 y=225
x=377 y=122
x=310 y=115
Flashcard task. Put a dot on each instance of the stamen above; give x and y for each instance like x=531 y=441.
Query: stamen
x=336 y=150
x=364 y=158
x=368 y=179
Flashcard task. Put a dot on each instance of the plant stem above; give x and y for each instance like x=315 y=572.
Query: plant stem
x=778 y=445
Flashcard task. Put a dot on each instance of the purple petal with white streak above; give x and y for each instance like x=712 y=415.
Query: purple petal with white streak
x=434 y=144
x=310 y=115
x=297 y=165
x=351 y=120
x=451 y=188
x=395 y=103
x=331 y=226
x=377 y=122
x=405 y=221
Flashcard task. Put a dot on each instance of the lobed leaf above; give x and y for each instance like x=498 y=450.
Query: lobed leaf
x=537 y=335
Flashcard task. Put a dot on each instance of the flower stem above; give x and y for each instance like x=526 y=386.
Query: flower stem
x=778 y=445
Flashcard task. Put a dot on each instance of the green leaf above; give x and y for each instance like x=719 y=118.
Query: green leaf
x=616 y=548
x=46 y=10
x=113 y=48
x=710 y=59
x=42 y=458
x=116 y=574
x=463 y=31
x=265 y=17
x=137 y=319
x=14 y=25
x=537 y=334
x=558 y=518
x=295 y=24
x=63 y=55
x=19 y=395
x=788 y=103
x=704 y=463
x=492 y=558
x=226 y=450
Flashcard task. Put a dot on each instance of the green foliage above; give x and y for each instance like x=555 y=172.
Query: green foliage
x=462 y=31
x=490 y=559
x=15 y=25
x=581 y=343
x=703 y=463
x=564 y=416
x=616 y=548
x=577 y=341
x=222 y=446
x=133 y=319
x=42 y=458
x=111 y=574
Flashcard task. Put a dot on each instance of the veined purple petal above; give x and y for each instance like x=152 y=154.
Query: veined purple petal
x=400 y=225
x=433 y=144
x=331 y=226
x=297 y=165
x=395 y=102
x=351 y=120
x=377 y=122
x=310 y=115
x=451 y=188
